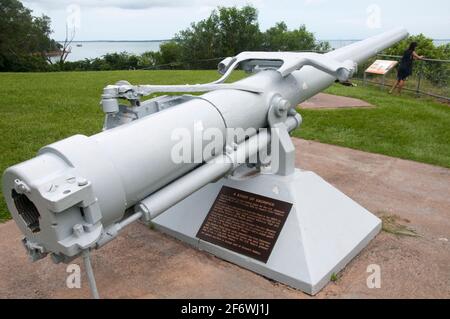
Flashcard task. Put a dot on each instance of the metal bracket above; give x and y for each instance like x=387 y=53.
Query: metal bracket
x=35 y=251
x=278 y=110
x=126 y=113
x=132 y=92
x=282 y=151
x=286 y=63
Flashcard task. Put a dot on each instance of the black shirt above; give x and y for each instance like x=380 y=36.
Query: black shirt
x=407 y=60
x=406 y=65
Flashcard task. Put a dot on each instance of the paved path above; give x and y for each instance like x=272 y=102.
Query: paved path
x=329 y=101
x=143 y=263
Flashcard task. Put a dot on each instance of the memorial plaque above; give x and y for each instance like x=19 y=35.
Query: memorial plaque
x=246 y=223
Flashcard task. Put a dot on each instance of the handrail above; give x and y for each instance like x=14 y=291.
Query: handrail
x=425 y=59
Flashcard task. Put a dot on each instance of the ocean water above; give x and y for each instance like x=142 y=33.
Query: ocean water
x=88 y=50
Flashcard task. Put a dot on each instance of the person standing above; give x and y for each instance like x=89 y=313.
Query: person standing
x=406 y=66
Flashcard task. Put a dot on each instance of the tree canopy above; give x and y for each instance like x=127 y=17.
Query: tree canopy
x=24 y=39
x=425 y=47
x=229 y=31
x=279 y=38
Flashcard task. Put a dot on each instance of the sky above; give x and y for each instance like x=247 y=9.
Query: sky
x=158 y=19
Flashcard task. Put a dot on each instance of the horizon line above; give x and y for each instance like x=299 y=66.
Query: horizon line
x=166 y=40
x=163 y=40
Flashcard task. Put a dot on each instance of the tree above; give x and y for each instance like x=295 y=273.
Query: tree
x=279 y=38
x=66 y=46
x=425 y=46
x=170 y=53
x=149 y=59
x=226 y=32
x=229 y=31
x=24 y=39
x=120 y=61
x=238 y=30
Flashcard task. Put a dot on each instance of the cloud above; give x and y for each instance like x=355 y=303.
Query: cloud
x=351 y=21
x=134 y=4
x=313 y=2
x=129 y=4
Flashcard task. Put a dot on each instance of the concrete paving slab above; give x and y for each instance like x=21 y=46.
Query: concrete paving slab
x=329 y=101
x=143 y=263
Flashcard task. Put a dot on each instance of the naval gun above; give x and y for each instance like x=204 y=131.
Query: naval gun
x=77 y=194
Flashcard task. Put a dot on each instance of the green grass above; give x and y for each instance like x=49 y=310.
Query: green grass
x=394 y=225
x=40 y=108
x=334 y=277
x=400 y=126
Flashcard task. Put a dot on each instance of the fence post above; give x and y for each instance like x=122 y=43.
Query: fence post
x=419 y=78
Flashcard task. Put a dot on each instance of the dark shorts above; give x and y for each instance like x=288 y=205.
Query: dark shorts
x=403 y=74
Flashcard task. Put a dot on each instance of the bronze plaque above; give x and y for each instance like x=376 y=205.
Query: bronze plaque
x=245 y=223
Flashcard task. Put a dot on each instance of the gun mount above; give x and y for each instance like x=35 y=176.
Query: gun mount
x=79 y=193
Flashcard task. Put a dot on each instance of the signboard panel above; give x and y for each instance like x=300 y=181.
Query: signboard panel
x=381 y=67
x=246 y=223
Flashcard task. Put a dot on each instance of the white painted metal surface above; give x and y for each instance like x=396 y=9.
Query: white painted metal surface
x=75 y=194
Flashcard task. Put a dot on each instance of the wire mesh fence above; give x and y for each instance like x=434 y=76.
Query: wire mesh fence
x=430 y=77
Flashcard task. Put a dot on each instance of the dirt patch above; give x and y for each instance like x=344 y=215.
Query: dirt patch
x=329 y=101
x=143 y=263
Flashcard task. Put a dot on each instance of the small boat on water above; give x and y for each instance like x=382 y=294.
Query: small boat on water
x=79 y=45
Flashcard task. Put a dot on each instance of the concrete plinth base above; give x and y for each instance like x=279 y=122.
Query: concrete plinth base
x=323 y=232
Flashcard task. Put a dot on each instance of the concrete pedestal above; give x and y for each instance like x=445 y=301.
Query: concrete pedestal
x=325 y=229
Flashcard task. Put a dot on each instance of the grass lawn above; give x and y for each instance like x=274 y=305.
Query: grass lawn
x=40 y=108
x=400 y=126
